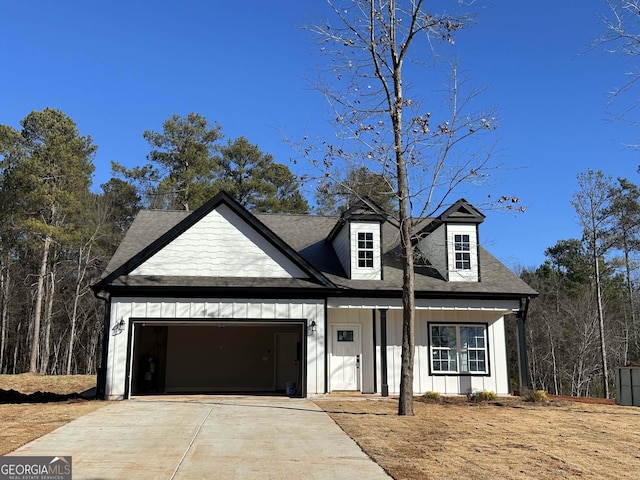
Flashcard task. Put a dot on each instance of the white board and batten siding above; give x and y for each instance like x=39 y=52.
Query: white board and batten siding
x=456 y=312
x=496 y=381
x=220 y=245
x=124 y=309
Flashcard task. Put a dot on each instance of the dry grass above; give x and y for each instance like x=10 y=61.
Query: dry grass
x=450 y=439
x=24 y=422
x=509 y=439
x=61 y=384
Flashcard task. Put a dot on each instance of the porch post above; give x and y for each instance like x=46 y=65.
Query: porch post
x=101 y=383
x=383 y=353
x=523 y=360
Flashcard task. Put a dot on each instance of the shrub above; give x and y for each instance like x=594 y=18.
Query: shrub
x=536 y=396
x=483 y=396
x=433 y=396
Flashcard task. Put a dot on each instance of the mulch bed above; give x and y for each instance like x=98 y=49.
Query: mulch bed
x=13 y=396
x=591 y=400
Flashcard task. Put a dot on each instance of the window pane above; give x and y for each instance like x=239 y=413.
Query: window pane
x=472 y=337
x=458 y=348
x=463 y=261
x=444 y=361
x=477 y=361
x=365 y=249
x=345 y=335
x=473 y=344
x=462 y=242
x=442 y=336
x=365 y=258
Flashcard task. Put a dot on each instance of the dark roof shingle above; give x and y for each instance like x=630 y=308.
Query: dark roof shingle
x=306 y=234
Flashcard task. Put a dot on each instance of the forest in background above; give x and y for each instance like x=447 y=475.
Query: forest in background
x=58 y=233
x=584 y=323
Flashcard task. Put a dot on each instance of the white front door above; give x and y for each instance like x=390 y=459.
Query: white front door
x=345 y=357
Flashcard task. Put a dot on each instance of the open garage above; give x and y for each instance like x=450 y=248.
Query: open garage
x=217 y=357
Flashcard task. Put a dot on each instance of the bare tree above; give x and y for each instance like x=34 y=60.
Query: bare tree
x=624 y=209
x=5 y=290
x=591 y=203
x=621 y=37
x=385 y=59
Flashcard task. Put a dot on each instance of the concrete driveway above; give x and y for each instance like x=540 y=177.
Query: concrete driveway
x=207 y=437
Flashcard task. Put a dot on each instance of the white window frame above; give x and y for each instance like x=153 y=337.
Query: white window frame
x=457 y=355
x=365 y=250
x=462 y=251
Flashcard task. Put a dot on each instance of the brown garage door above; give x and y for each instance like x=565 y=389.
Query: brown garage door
x=217 y=357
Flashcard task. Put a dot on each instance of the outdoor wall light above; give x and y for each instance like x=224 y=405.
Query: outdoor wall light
x=118 y=327
x=312 y=327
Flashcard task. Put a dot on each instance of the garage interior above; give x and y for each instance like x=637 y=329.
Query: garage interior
x=221 y=357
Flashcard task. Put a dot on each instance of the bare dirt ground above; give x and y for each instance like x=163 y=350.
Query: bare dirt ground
x=33 y=405
x=508 y=439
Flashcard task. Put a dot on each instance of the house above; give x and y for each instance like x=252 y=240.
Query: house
x=220 y=300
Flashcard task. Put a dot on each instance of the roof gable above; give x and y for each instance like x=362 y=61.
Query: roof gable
x=365 y=210
x=462 y=212
x=220 y=239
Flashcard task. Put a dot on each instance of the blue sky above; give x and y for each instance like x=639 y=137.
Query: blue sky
x=119 y=68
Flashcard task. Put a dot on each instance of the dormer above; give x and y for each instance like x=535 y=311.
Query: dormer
x=357 y=240
x=450 y=242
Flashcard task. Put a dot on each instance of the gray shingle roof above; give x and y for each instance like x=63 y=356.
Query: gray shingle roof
x=306 y=235
x=147 y=227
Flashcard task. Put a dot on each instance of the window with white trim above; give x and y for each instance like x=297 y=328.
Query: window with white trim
x=459 y=349
x=365 y=249
x=462 y=251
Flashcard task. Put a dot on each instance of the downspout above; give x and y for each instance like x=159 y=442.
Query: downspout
x=101 y=386
x=523 y=360
x=384 y=391
x=375 y=359
x=327 y=336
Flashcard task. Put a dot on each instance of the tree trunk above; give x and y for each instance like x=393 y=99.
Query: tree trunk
x=81 y=271
x=16 y=348
x=405 y=403
x=4 y=310
x=603 y=349
x=48 y=320
x=72 y=333
x=57 y=365
x=627 y=267
x=35 y=339
x=554 y=364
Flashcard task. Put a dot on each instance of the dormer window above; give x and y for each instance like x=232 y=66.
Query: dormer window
x=357 y=240
x=365 y=249
x=462 y=247
x=450 y=243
